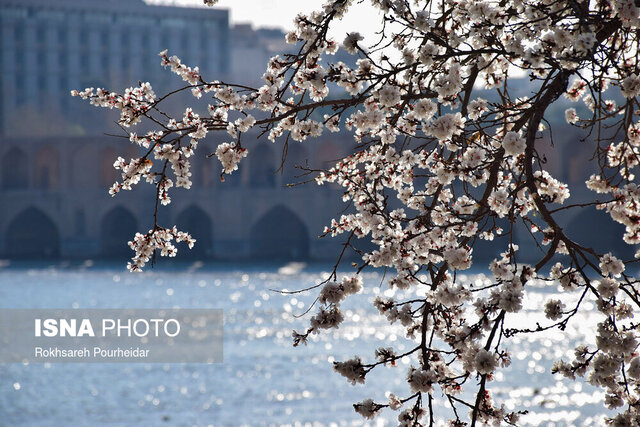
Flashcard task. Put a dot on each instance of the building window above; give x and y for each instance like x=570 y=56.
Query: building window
x=104 y=61
x=47 y=168
x=125 y=61
x=184 y=44
x=63 y=58
x=164 y=41
x=84 y=60
x=147 y=55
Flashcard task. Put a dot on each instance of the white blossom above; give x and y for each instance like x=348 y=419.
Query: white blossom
x=434 y=169
x=485 y=362
x=553 y=309
x=513 y=144
x=630 y=86
x=350 y=42
x=230 y=155
x=367 y=408
x=571 y=115
x=609 y=264
x=389 y=95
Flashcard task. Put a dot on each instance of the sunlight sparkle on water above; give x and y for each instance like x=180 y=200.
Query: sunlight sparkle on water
x=261 y=368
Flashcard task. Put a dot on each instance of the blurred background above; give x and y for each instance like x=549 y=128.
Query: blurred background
x=56 y=155
x=56 y=165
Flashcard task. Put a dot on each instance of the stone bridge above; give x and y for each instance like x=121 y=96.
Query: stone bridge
x=54 y=202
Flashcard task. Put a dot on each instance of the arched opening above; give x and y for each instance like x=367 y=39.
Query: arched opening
x=263 y=167
x=595 y=229
x=279 y=234
x=15 y=170
x=32 y=234
x=47 y=168
x=118 y=227
x=196 y=222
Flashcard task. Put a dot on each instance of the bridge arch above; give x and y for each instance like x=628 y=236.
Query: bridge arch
x=196 y=222
x=118 y=227
x=32 y=234
x=279 y=234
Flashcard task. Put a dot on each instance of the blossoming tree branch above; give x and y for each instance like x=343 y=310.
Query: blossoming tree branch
x=434 y=169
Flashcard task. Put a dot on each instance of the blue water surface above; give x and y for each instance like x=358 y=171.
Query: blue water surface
x=264 y=380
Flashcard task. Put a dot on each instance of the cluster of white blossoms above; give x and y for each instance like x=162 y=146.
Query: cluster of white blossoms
x=434 y=169
x=513 y=144
x=133 y=104
x=132 y=172
x=158 y=239
x=188 y=74
x=229 y=156
x=329 y=314
x=352 y=370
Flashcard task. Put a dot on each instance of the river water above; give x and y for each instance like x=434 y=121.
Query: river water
x=264 y=380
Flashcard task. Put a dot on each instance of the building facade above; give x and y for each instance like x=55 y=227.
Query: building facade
x=51 y=47
x=54 y=201
x=56 y=164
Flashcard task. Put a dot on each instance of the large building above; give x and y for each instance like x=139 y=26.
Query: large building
x=54 y=202
x=56 y=163
x=52 y=46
